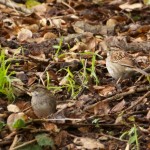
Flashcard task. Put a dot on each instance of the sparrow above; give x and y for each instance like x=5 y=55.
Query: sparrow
x=121 y=65
x=43 y=102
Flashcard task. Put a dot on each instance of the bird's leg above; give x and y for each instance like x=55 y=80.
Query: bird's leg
x=119 y=80
x=118 y=85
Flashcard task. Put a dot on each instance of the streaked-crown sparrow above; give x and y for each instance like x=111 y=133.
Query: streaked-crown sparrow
x=42 y=102
x=120 y=64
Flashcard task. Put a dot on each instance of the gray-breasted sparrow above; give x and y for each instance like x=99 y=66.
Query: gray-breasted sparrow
x=121 y=65
x=43 y=102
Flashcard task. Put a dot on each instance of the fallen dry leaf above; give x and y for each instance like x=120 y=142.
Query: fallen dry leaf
x=51 y=127
x=89 y=143
x=61 y=138
x=118 y=107
x=105 y=90
x=24 y=35
x=102 y=108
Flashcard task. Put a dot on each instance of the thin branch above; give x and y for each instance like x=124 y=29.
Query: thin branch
x=24 y=144
x=14 y=143
x=138 y=101
x=112 y=137
x=117 y=96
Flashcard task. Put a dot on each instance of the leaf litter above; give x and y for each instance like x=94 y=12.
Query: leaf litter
x=59 y=44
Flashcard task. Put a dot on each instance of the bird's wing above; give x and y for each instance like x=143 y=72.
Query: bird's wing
x=122 y=58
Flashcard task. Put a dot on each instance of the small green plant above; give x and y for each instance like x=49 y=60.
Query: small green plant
x=93 y=72
x=18 y=124
x=49 y=86
x=96 y=122
x=92 y=69
x=18 y=51
x=2 y=124
x=31 y=3
x=146 y=2
x=75 y=81
x=148 y=78
x=58 y=47
x=5 y=77
x=70 y=84
x=132 y=137
x=83 y=75
x=44 y=140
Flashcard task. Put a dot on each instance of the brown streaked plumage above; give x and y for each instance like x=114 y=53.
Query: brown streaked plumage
x=121 y=65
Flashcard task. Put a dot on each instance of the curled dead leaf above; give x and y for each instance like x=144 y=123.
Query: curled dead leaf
x=9 y=23
x=24 y=35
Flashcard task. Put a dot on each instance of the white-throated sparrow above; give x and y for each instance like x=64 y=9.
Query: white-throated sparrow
x=120 y=64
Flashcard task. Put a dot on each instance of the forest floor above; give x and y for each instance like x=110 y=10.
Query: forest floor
x=60 y=45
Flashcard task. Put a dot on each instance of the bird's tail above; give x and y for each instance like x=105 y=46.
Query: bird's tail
x=142 y=72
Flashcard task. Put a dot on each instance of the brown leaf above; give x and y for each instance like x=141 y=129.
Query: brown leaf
x=118 y=107
x=24 y=35
x=88 y=143
x=51 y=127
x=119 y=120
x=31 y=80
x=105 y=90
x=102 y=108
x=84 y=129
x=61 y=138
x=49 y=35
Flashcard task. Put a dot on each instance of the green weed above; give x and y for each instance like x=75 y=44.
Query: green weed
x=75 y=81
x=92 y=69
x=5 y=77
x=96 y=122
x=132 y=137
x=70 y=84
x=58 y=47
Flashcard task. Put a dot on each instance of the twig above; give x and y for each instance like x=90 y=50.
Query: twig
x=48 y=120
x=38 y=131
x=112 y=137
x=68 y=6
x=2 y=143
x=14 y=143
x=138 y=101
x=9 y=136
x=39 y=60
x=24 y=144
x=131 y=91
